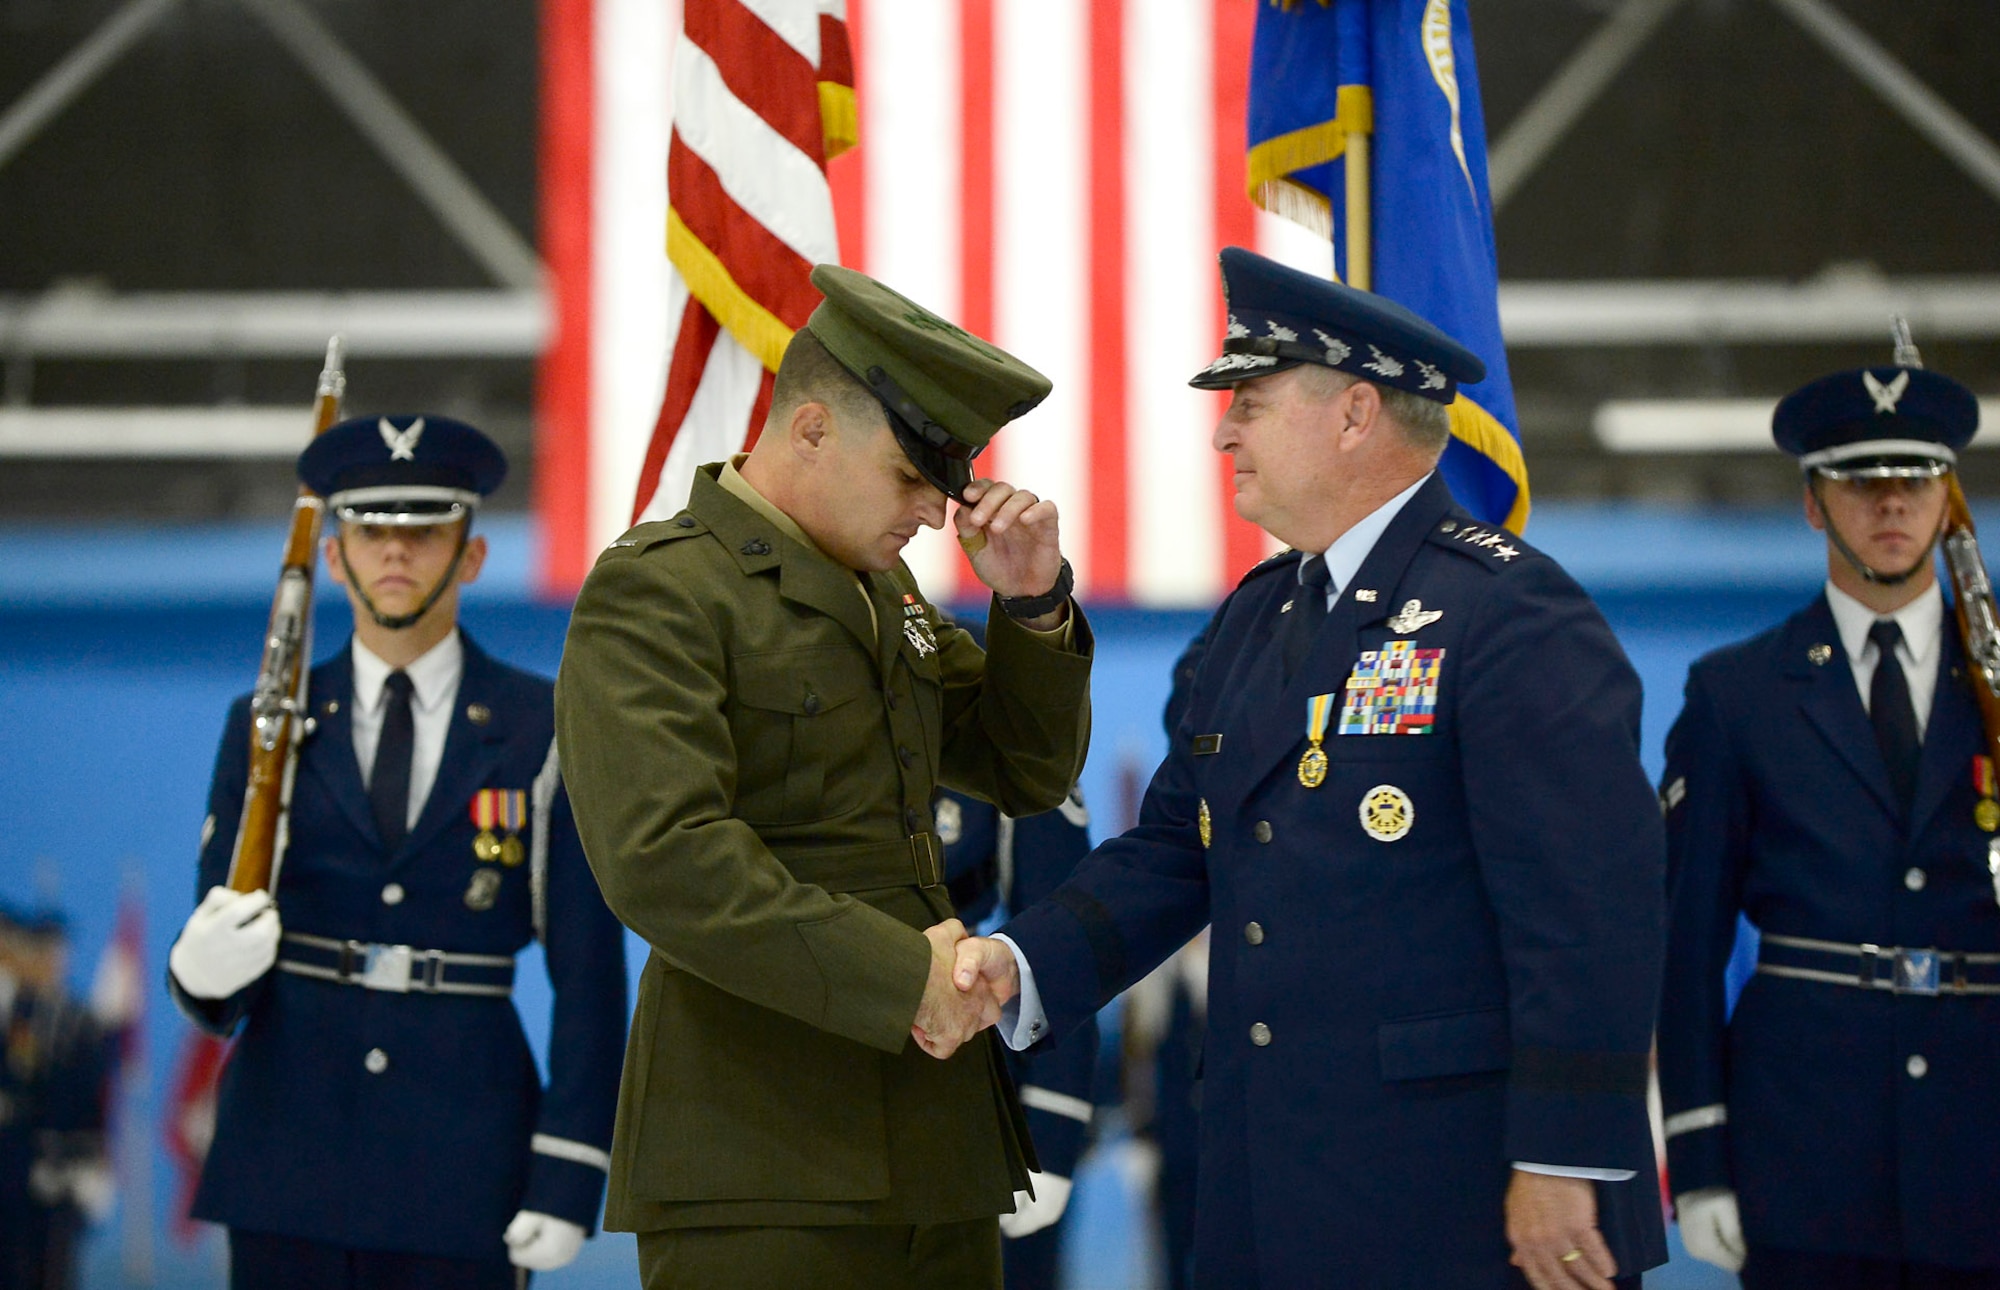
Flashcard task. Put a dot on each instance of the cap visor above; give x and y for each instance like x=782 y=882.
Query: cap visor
x=948 y=474
x=1232 y=370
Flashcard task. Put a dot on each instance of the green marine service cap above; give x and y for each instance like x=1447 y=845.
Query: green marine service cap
x=946 y=391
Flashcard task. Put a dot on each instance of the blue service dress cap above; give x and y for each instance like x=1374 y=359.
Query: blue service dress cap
x=402 y=469
x=1280 y=317
x=1868 y=419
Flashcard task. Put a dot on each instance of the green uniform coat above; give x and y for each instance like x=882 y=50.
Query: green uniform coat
x=752 y=764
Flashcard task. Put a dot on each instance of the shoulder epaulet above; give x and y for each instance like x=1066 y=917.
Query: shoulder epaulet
x=1287 y=556
x=646 y=536
x=1486 y=544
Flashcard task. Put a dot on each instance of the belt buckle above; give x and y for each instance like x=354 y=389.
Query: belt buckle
x=1916 y=971
x=929 y=859
x=384 y=967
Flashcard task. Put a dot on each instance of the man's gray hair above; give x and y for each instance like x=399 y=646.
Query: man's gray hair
x=1424 y=423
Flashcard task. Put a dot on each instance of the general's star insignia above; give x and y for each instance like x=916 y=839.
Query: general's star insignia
x=1412 y=616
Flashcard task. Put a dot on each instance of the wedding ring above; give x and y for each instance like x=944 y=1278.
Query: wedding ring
x=1572 y=1256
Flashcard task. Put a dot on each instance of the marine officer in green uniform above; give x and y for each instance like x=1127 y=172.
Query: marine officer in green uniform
x=755 y=705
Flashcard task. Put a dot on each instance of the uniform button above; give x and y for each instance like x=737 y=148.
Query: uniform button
x=910 y=818
x=812 y=705
x=685 y=521
x=891 y=696
x=1917 y=1066
x=905 y=756
x=1254 y=933
x=376 y=1061
x=1260 y=1034
x=392 y=894
x=1263 y=831
x=1914 y=879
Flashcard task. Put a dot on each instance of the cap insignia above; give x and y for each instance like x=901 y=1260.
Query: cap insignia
x=1433 y=376
x=1382 y=363
x=1279 y=332
x=1337 y=349
x=1886 y=396
x=1236 y=329
x=402 y=444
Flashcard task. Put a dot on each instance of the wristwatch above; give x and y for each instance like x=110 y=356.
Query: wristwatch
x=1047 y=602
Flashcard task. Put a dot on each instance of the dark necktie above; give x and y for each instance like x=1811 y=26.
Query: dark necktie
x=1890 y=709
x=389 y=783
x=1308 y=612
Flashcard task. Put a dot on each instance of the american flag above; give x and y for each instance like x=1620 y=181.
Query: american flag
x=1053 y=175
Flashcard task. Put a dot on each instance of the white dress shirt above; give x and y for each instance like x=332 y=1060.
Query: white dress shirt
x=1023 y=1021
x=434 y=679
x=1922 y=623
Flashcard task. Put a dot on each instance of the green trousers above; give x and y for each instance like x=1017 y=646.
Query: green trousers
x=942 y=1256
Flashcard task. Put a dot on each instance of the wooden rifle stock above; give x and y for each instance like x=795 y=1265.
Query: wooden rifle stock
x=278 y=703
x=1978 y=618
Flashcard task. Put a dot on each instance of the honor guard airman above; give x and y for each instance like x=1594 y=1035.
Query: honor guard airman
x=1406 y=791
x=1829 y=781
x=994 y=863
x=381 y=1122
x=756 y=705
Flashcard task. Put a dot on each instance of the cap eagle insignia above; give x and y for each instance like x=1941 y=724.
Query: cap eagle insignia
x=1886 y=396
x=402 y=444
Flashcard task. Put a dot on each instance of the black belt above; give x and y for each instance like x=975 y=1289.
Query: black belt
x=1894 y=968
x=397 y=969
x=916 y=861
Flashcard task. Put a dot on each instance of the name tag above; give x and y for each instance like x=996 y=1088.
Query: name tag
x=1207 y=745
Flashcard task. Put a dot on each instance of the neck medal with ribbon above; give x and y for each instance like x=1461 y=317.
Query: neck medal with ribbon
x=507 y=809
x=1312 y=766
x=1986 y=814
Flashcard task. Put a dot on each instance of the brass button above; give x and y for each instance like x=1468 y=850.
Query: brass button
x=1917 y=1066
x=392 y=894
x=1260 y=1034
x=1254 y=933
x=1915 y=879
x=1263 y=831
x=376 y=1061
x=1449 y=526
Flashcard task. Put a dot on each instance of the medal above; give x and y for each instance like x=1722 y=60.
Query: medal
x=1312 y=766
x=1206 y=828
x=917 y=627
x=485 y=847
x=1986 y=812
x=503 y=809
x=511 y=851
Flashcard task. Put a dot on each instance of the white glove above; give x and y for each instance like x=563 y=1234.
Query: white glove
x=1711 y=1227
x=1051 y=1197
x=230 y=940
x=541 y=1242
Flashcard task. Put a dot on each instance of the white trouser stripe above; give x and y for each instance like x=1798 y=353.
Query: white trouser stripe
x=1702 y=1117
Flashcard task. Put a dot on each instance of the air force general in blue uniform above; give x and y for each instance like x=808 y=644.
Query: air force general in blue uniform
x=1432 y=860
x=1827 y=779
x=381 y=1122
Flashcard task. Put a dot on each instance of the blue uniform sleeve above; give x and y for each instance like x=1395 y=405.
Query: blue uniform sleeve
x=1707 y=804
x=1567 y=833
x=221 y=1017
x=1055 y=1079
x=584 y=947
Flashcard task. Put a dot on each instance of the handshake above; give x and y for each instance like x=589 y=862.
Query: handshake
x=972 y=978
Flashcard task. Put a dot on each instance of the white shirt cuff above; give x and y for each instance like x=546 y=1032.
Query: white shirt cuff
x=1576 y=1171
x=1022 y=1021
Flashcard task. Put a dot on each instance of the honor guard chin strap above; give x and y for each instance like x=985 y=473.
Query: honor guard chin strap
x=397 y=622
x=1814 y=482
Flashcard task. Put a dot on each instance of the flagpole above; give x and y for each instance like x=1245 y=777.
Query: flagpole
x=1360 y=250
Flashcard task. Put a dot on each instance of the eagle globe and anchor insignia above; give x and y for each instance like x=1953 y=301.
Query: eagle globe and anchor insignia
x=1387 y=813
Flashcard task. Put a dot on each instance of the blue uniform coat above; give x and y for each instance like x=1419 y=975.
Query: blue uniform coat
x=1805 y=1101
x=434 y=1153
x=1391 y=1023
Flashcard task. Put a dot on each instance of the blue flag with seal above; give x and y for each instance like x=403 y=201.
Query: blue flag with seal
x=1365 y=124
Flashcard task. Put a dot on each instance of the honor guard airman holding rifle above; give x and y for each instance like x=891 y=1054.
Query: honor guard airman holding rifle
x=1830 y=780
x=755 y=705
x=381 y=1124
x=1406 y=789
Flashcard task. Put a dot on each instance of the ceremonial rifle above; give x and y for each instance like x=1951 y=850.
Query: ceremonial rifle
x=278 y=703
